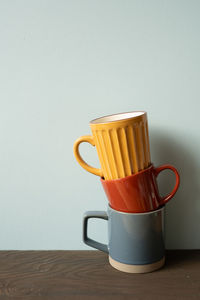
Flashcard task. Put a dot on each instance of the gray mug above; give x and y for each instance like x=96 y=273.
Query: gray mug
x=135 y=240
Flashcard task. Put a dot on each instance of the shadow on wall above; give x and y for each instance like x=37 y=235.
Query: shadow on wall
x=182 y=212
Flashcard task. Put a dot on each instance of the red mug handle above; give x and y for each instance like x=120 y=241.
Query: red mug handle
x=157 y=170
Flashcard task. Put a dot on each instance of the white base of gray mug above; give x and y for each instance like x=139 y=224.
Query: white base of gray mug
x=137 y=268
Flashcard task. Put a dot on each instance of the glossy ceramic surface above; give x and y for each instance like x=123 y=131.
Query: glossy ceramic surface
x=138 y=192
x=122 y=143
x=133 y=239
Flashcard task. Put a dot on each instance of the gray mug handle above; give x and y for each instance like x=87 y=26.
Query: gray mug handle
x=90 y=242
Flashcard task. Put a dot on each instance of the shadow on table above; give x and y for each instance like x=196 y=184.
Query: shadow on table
x=182 y=258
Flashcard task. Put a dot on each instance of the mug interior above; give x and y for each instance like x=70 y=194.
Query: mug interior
x=117 y=117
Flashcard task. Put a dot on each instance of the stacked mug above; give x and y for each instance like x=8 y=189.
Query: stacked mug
x=135 y=212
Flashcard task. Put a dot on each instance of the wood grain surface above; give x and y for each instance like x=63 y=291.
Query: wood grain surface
x=56 y=275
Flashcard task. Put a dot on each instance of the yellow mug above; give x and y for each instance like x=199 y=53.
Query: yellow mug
x=122 y=143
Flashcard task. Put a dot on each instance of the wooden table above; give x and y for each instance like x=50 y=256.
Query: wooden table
x=49 y=275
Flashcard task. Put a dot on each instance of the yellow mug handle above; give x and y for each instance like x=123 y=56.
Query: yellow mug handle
x=88 y=139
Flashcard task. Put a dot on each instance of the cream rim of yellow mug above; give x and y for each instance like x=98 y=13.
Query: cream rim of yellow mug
x=117 y=117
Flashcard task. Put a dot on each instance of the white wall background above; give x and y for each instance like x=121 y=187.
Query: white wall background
x=63 y=63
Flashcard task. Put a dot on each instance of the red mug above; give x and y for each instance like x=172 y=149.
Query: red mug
x=138 y=193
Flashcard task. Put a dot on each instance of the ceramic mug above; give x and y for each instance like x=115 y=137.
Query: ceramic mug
x=135 y=241
x=122 y=144
x=139 y=192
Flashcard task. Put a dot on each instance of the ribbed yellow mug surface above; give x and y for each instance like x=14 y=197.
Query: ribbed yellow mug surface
x=122 y=143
